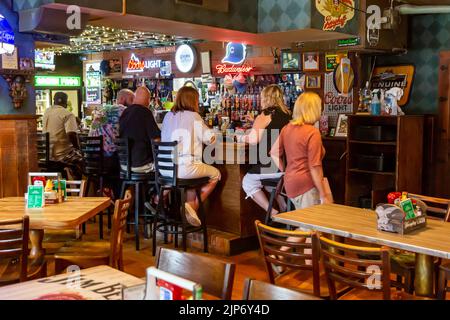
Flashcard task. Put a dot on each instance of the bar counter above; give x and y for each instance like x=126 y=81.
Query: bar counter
x=230 y=216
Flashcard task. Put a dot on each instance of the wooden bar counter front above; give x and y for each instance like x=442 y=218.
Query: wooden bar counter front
x=229 y=215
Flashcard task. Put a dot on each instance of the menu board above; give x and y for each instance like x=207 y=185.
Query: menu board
x=93 y=78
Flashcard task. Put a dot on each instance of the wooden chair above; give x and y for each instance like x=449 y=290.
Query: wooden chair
x=215 y=276
x=55 y=239
x=403 y=263
x=14 y=262
x=259 y=290
x=444 y=278
x=90 y=254
x=343 y=263
x=272 y=239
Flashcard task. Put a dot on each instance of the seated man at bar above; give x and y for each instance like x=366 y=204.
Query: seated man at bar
x=265 y=131
x=105 y=123
x=62 y=127
x=185 y=125
x=138 y=124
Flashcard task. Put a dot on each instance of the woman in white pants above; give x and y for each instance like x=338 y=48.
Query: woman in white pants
x=185 y=125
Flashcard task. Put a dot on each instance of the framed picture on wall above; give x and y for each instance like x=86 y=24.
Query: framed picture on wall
x=313 y=82
x=311 y=61
x=342 y=126
x=290 y=61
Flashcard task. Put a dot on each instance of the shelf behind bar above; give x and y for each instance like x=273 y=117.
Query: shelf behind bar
x=379 y=143
x=372 y=172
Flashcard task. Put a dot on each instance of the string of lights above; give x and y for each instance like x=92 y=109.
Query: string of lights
x=96 y=39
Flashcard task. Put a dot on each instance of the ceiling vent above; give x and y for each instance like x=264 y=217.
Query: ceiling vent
x=213 y=5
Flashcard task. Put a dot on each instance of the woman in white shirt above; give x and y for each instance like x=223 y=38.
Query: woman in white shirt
x=185 y=125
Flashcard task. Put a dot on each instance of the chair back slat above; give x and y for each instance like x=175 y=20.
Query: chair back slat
x=124 y=153
x=76 y=188
x=258 y=290
x=92 y=151
x=440 y=206
x=299 y=252
x=119 y=223
x=166 y=162
x=348 y=264
x=215 y=276
x=14 y=237
x=43 y=147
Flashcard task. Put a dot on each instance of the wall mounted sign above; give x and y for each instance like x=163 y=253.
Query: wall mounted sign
x=236 y=53
x=10 y=61
x=334 y=102
x=373 y=24
x=137 y=65
x=336 y=13
x=226 y=69
x=93 y=83
x=332 y=60
x=115 y=66
x=394 y=76
x=55 y=81
x=349 y=42
x=164 y=50
x=186 y=58
x=6 y=36
x=344 y=77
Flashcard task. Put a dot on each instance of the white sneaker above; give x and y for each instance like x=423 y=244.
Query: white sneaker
x=191 y=216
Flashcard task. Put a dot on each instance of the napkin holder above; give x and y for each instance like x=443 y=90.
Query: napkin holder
x=399 y=224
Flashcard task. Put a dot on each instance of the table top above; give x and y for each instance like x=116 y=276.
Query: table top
x=361 y=224
x=61 y=216
x=99 y=283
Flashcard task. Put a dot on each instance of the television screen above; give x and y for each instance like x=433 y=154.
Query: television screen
x=290 y=61
x=44 y=60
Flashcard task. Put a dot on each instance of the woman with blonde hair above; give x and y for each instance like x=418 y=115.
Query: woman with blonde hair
x=265 y=131
x=301 y=145
x=185 y=125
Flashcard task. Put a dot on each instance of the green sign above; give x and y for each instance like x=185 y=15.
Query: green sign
x=54 y=81
x=348 y=42
x=36 y=198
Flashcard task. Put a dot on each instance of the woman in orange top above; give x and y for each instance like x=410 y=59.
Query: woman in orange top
x=301 y=145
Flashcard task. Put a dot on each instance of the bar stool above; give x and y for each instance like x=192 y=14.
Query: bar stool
x=170 y=221
x=92 y=151
x=275 y=186
x=43 y=153
x=139 y=181
x=444 y=278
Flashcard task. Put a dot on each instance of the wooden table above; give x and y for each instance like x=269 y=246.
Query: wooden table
x=99 y=283
x=361 y=224
x=63 y=216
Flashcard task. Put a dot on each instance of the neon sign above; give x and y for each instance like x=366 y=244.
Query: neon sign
x=54 y=81
x=226 y=69
x=236 y=53
x=136 y=65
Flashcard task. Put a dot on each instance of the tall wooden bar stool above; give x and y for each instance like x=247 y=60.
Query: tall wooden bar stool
x=170 y=220
x=92 y=151
x=140 y=182
x=443 y=285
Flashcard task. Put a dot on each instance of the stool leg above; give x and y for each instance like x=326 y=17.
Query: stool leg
x=136 y=215
x=183 y=218
x=109 y=218
x=175 y=234
x=155 y=222
x=203 y=219
x=269 y=210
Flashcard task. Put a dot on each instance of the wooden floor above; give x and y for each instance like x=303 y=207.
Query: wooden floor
x=249 y=264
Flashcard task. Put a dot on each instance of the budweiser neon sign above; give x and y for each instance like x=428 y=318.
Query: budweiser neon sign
x=136 y=65
x=225 y=69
